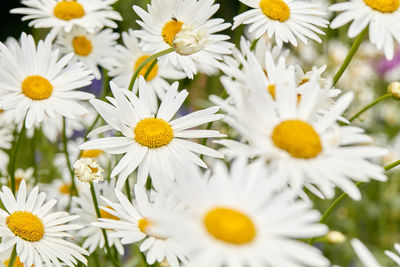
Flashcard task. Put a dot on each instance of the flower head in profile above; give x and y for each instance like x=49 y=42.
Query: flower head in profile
x=238 y=218
x=152 y=143
x=186 y=26
x=28 y=223
x=62 y=15
x=381 y=16
x=37 y=83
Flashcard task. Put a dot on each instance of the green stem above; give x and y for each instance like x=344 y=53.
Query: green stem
x=13 y=256
x=253 y=44
x=96 y=207
x=376 y=101
x=14 y=154
x=343 y=196
x=73 y=190
x=88 y=130
x=128 y=190
x=350 y=56
x=146 y=75
x=145 y=62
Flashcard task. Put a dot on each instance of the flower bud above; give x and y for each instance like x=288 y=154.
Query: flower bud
x=335 y=237
x=394 y=89
x=88 y=170
x=188 y=41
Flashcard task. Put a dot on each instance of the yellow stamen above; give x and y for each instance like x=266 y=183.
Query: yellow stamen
x=93 y=153
x=82 y=46
x=36 y=87
x=303 y=81
x=230 y=226
x=298 y=138
x=67 y=10
x=143 y=224
x=107 y=215
x=275 y=9
x=26 y=225
x=170 y=30
x=271 y=90
x=153 y=132
x=65 y=189
x=384 y=6
x=153 y=72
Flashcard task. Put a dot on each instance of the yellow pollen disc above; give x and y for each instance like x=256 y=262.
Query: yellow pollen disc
x=170 y=29
x=143 y=71
x=36 y=87
x=143 y=224
x=384 y=6
x=298 y=138
x=271 y=90
x=65 y=189
x=93 y=153
x=275 y=9
x=230 y=226
x=17 y=262
x=26 y=225
x=67 y=10
x=153 y=132
x=94 y=170
x=82 y=46
x=105 y=214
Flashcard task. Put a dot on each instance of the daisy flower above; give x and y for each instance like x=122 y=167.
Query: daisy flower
x=238 y=218
x=169 y=21
x=288 y=20
x=300 y=136
x=153 y=143
x=38 y=234
x=84 y=207
x=64 y=14
x=127 y=59
x=90 y=48
x=137 y=224
x=382 y=17
x=20 y=175
x=38 y=84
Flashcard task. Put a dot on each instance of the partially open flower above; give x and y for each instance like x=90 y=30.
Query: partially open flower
x=394 y=89
x=189 y=41
x=88 y=170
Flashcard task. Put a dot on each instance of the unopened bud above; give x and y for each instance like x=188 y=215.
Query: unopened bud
x=394 y=89
x=335 y=237
x=88 y=170
x=189 y=41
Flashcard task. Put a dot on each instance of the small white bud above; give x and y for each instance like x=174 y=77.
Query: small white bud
x=394 y=89
x=88 y=170
x=335 y=237
x=189 y=41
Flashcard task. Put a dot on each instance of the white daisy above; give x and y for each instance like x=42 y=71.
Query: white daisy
x=20 y=175
x=138 y=224
x=300 y=135
x=38 y=234
x=165 y=19
x=152 y=142
x=382 y=17
x=84 y=207
x=38 y=84
x=288 y=20
x=64 y=14
x=90 y=48
x=238 y=218
x=128 y=58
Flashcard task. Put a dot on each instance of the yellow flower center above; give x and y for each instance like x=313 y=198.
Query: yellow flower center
x=67 y=10
x=82 y=46
x=170 y=29
x=384 y=6
x=143 y=224
x=107 y=215
x=143 y=71
x=275 y=9
x=271 y=90
x=153 y=132
x=93 y=153
x=17 y=262
x=303 y=81
x=26 y=225
x=230 y=226
x=36 y=87
x=65 y=189
x=298 y=138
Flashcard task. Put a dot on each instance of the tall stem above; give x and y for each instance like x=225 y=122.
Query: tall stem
x=73 y=190
x=96 y=207
x=145 y=62
x=343 y=196
x=14 y=154
x=13 y=257
x=373 y=103
x=350 y=56
x=128 y=190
